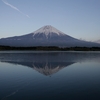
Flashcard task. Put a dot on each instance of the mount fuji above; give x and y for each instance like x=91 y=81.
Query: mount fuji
x=46 y=36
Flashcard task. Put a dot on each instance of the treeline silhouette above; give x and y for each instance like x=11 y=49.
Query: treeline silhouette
x=51 y=48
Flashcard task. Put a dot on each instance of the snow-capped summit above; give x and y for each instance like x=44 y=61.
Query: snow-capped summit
x=48 y=31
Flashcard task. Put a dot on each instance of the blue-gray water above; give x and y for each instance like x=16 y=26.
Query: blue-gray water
x=27 y=75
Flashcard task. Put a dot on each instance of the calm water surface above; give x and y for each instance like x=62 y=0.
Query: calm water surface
x=27 y=75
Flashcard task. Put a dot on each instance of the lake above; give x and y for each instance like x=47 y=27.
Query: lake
x=43 y=75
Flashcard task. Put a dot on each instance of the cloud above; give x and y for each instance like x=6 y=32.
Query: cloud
x=13 y=7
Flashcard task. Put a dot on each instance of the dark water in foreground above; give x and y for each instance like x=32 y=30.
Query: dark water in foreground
x=49 y=75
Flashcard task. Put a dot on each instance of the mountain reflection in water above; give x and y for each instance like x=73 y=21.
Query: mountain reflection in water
x=47 y=63
x=75 y=75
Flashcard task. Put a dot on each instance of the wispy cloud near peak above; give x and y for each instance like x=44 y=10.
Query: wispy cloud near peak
x=13 y=7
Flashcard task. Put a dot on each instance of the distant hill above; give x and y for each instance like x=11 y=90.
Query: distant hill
x=98 y=41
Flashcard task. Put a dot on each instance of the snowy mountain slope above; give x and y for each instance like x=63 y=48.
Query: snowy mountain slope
x=48 y=31
x=45 y=36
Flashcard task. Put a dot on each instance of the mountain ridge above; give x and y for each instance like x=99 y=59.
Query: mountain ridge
x=98 y=41
x=46 y=36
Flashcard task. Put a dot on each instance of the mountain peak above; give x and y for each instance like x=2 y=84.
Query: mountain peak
x=48 y=30
x=48 y=26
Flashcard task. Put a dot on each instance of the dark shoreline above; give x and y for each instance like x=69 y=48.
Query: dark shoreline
x=50 y=48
